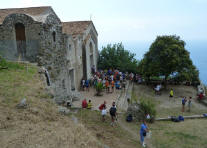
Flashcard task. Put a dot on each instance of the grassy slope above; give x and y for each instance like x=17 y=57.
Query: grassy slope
x=115 y=137
x=167 y=134
x=40 y=125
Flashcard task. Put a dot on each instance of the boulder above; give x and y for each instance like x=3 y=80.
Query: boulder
x=22 y=104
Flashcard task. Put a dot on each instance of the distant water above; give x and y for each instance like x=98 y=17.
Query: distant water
x=197 y=49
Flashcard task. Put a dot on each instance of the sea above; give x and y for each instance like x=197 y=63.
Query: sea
x=197 y=49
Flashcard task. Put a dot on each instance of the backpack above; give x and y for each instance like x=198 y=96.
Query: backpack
x=180 y=118
x=101 y=107
x=129 y=118
x=174 y=119
x=113 y=111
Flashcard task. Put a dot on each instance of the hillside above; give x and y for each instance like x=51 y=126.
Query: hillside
x=39 y=125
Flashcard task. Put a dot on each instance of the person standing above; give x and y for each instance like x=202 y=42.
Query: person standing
x=171 y=93
x=189 y=103
x=143 y=132
x=183 y=103
x=87 y=85
x=113 y=113
x=112 y=86
x=103 y=113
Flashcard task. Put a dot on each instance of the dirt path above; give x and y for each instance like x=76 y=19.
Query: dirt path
x=97 y=100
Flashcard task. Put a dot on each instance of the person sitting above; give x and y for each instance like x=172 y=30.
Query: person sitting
x=157 y=89
x=84 y=103
x=200 y=96
x=89 y=105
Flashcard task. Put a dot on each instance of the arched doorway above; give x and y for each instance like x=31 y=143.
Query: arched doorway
x=84 y=62
x=91 y=57
x=20 y=40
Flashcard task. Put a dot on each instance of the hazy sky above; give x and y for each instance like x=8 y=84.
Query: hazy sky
x=131 y=20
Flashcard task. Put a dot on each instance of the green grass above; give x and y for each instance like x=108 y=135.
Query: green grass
x=16 y=81
x=168 y=134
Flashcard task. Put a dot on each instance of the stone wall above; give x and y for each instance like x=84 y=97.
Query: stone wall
x=8 y=42
x=46 y=45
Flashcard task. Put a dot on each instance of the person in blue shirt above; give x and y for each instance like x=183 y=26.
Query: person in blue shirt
x=87 y=85
x=143 y=132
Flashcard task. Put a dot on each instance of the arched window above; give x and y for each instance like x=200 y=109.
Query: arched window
x=54 y=36
x=91 y=48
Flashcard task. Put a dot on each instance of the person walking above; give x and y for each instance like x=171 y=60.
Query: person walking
x=143 y=132
x=103 y=113
x=113 y=113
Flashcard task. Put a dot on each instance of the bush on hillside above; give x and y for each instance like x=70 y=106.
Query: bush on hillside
x=9 y=65
x=147 y=107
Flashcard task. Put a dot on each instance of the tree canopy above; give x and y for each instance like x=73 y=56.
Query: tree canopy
x=167 y=56
x=115 y=56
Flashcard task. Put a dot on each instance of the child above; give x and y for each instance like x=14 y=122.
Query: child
x=103 y=113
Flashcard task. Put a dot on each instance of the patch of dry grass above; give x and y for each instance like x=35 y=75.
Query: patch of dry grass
x=116 y=136
x=40 y=125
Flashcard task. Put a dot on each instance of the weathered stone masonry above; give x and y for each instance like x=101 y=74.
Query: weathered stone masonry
x=67 y=50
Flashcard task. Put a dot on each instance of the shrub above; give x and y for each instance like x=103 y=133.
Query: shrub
x=99 y=88
x=148 y=107
x=9 y=65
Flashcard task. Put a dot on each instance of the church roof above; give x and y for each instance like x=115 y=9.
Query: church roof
x=37 y=13
x=76 y=27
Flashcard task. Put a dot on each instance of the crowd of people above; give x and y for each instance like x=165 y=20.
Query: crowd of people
x=110 y=79
x=113 y=79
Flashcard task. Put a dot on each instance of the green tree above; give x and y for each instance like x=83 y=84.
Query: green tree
x=167 y=55
x=115 y=56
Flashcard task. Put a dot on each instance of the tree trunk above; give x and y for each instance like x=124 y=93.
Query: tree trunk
x=165 y=81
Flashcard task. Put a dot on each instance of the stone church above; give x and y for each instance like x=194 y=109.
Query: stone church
x=67 y=50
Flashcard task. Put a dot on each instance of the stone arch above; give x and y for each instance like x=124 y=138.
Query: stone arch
x=17 y=18
x=20 y=40
x=84 y=62
x=91 y=56
x=91 y=48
